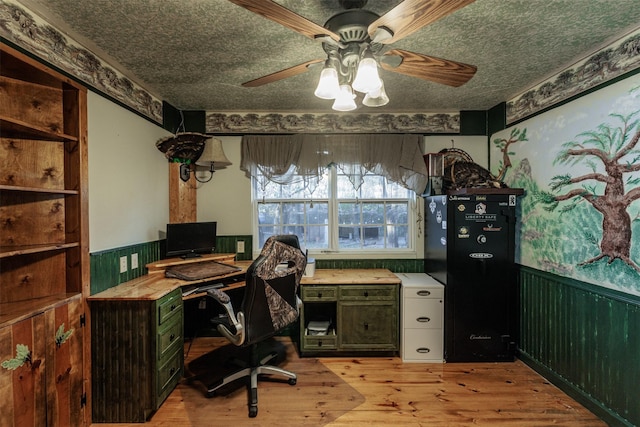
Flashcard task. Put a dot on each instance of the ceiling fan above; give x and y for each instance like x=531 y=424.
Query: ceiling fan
x=358 y=40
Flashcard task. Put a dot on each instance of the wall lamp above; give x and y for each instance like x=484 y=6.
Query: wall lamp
x=211 y=159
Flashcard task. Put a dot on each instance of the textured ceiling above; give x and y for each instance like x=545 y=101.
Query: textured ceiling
x=195 y=54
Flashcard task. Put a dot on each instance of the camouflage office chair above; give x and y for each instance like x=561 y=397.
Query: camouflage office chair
x=270 y=303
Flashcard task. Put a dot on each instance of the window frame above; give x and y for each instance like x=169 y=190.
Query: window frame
x=333 y=225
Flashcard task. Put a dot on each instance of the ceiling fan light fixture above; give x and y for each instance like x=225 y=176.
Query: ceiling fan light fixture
x=376 y=98
x=345 y=99
x=367 y=78
x=328 y=85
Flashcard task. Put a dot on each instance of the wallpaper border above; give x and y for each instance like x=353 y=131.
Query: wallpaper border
x=606 y=64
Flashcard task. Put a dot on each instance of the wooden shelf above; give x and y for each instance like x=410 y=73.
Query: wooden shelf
x=11 y=251
x=23 y=130
x=36 y=190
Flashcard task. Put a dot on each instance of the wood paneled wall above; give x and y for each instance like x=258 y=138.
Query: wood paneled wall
x=586 y=339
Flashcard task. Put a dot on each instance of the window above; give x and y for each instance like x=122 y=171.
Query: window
x=335 y=217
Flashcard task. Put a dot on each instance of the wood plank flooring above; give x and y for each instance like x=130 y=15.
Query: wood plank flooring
x=377 y=391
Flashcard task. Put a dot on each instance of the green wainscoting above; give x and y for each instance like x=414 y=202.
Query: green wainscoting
x=395 y=265
x=586 y=340
x=105 y=265
x=228 y=245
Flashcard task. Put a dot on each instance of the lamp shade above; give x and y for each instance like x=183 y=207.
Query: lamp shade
x=328 y=86
x=213 y=155
x=367 y=78
x=344 y=101
x=376 y=98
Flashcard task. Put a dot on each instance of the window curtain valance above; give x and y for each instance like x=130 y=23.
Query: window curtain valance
x=288 y=159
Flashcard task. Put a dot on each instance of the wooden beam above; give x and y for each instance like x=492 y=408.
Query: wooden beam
x=182 y=196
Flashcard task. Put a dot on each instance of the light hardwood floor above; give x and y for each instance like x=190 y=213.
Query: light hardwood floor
x=376 y=391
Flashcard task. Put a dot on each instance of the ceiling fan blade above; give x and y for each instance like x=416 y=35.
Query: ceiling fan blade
x=280 y=14
x=282 y=74
x=410 y=16
x=444 y=71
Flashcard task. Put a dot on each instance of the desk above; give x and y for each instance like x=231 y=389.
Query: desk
x=137 y=340
x=361 y=306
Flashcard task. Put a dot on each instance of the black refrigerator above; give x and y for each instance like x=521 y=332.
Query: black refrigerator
x=470 y=247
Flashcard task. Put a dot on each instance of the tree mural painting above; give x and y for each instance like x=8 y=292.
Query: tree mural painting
x=611 y=155
x=503 y=145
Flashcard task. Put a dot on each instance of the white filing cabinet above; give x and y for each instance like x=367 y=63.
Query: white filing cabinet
x=422 y=319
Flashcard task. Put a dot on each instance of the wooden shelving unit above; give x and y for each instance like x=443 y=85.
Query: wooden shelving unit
x=44 y=253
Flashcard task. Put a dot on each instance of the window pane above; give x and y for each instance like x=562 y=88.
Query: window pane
x=398 y=237
x=396 y=191
x=396 y=213
x=372 y=187
x=349 y=213
x=345 y=188
x=269 y=213
x=317 y=237
x=293 y=213
x=373 y=213
x=264 y=232
x=317 y=213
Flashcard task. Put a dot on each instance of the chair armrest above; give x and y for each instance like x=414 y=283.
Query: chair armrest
x=237 y=322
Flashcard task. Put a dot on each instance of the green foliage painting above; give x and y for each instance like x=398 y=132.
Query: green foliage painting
x=580 y=167
x=23 y=355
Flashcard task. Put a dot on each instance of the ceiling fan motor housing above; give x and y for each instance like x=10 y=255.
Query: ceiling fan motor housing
x=352 y=25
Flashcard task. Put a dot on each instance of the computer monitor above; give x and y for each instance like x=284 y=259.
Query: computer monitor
x=191 y=239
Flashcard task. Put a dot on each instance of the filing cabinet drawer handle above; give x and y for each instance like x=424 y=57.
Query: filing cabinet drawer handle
x=423 y=319
x=423 y=350
x=366 y=326
x=172 y=371
x=366 y=293
x=173 y=307
x=319 y=294
x=424 y=293
x=172 y=337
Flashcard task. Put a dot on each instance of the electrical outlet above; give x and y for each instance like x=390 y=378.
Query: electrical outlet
x=134 y=261
x=123 y=264
x=240 y=247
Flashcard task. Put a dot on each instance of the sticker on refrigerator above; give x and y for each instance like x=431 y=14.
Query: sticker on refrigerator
x=482 y=239
x=512 y=199
x=432 y=206
x=463 y=232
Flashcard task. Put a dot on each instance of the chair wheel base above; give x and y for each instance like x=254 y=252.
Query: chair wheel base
x=253 y=411
x=293 y=381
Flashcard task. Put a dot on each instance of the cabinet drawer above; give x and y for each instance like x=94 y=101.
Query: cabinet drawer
x=368 y=293
x=170 y=337
x=319 y=293
x=422 y=313
x=422 y=345
x=423 y=292
x=169 y=305
x=168 y=375
x=320 y=342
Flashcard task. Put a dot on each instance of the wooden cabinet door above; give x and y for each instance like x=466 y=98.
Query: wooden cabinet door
x=64 y=337
x=370 y=325
x=22 y=373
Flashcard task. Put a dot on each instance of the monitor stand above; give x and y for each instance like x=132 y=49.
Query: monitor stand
x=191 y=255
